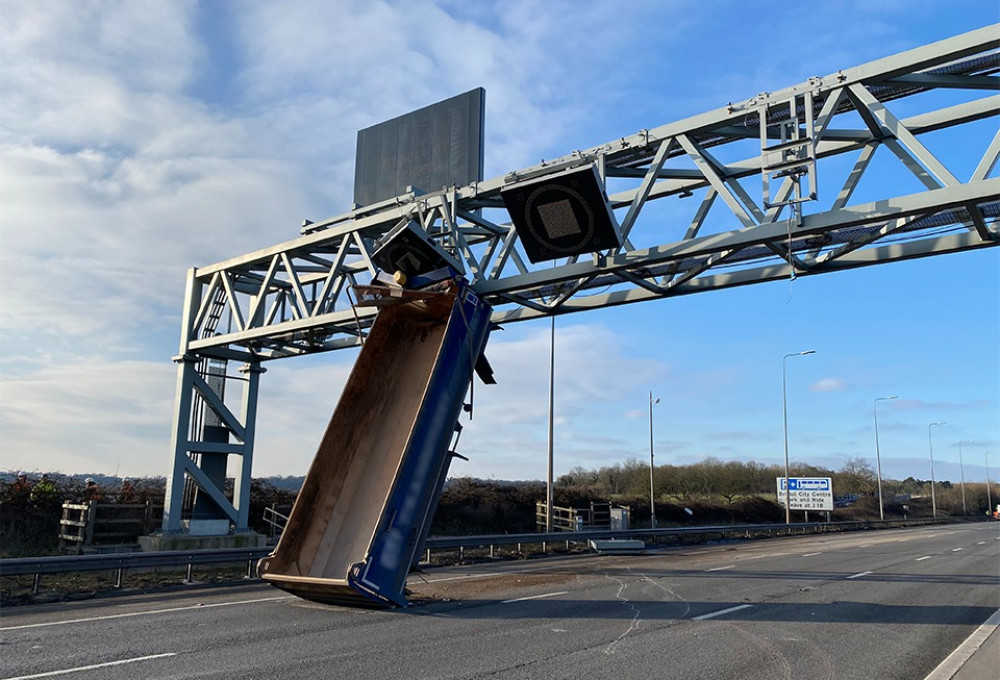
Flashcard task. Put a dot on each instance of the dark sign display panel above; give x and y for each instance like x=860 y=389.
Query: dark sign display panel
x=562 y=215
x=427 y=149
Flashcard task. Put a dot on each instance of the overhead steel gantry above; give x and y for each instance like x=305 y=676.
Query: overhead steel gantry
x=754 y=191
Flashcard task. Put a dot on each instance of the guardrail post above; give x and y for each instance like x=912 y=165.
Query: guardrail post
x=249 y=570
x=36 y=585
x=189 y=577
x=147 y=518
x=91 y=522
x=119 y=573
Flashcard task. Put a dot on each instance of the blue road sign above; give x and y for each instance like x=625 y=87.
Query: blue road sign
x=806 y=493
x=807 y=484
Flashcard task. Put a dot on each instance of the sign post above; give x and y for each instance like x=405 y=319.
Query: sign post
x=806 y=493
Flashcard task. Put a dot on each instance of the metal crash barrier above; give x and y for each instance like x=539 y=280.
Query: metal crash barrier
x=121 y=562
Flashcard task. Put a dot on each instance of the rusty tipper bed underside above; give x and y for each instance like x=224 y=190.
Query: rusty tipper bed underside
x=367 y=501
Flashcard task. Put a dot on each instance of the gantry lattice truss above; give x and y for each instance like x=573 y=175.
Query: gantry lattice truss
x=754 y=191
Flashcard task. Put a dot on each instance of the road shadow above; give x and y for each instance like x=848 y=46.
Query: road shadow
x=849 y=612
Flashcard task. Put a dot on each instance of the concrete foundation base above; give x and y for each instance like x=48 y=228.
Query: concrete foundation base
x=617 y=546
x=161 y=542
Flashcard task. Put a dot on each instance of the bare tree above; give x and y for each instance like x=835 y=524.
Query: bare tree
x=856 y=476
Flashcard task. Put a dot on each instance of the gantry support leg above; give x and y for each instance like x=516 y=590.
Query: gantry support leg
x=227 y=434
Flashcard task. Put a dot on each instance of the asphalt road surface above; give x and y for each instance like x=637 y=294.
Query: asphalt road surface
x=873 y=605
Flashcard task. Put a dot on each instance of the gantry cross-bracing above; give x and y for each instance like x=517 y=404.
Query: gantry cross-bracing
x=781 y=185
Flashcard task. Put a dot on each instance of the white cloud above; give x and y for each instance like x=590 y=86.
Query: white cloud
x=93 y=73
x=138 y=139
x=594 y=374
x=508 y=430
x=924 y=405
x=96 y=247
x=89 y=416
x=828 y=385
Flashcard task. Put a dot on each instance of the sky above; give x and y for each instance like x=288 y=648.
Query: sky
x=139 y=139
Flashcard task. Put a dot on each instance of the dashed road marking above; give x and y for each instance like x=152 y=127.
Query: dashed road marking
x=67 y=671
x=534 y=597
x=812 y=554
x=864 y=573
x=466 y=577
x=920 y=559
x=729 y=566
x=147 y=612
x=721 y=612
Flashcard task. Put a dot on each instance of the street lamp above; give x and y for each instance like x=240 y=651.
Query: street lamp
x=930 y=446
x=989 y=496
x=784 y=407
x=552 y=388
x=878 y=459
x=652 y=501
x=961 y=467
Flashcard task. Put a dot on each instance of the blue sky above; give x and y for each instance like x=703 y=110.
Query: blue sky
x=138 y=139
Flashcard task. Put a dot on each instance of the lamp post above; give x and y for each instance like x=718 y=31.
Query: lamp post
x=652 y=495
x=784 y=409
x=878 y=458
x=989 y=496
x=930 y=446
x=552 y=386
x=961 y=467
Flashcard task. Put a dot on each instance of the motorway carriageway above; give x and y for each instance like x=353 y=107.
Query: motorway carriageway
x=901 y=603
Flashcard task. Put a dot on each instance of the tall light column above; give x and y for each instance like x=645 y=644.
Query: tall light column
x=878 y=458
x=961 y=467
x=930 y=446
x=784 y=409
x=989 y=495
x=552 y=389
x=652 y=495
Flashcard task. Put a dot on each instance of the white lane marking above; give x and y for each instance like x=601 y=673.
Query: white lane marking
x=954 y=661
x=468 y=576
x=957 y=549
x=760 y=557
x=981 y=543
x=146 y=613
x=731 y=566
x=812 y=554
x=67 y=671
x=534 y=597
x=721 y=612
x=864 y=573
x=920 y=559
